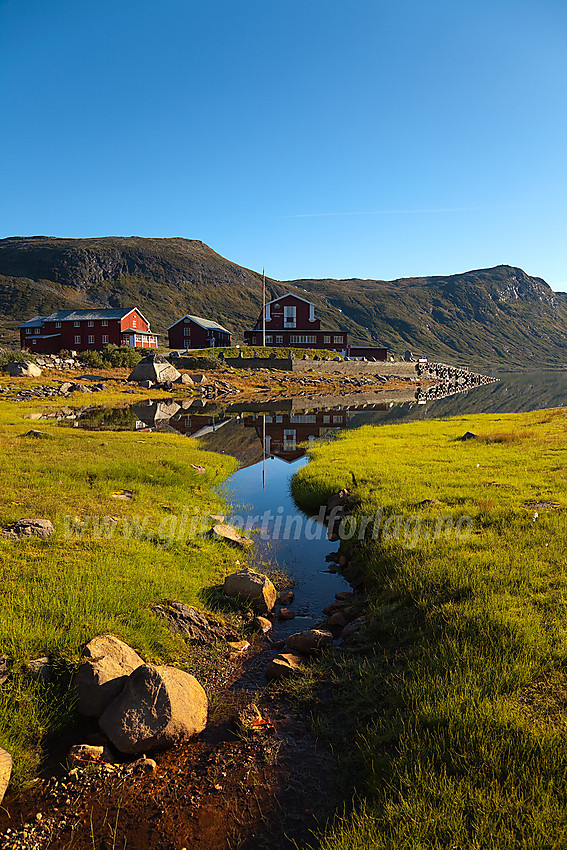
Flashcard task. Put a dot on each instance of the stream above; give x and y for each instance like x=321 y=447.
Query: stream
x=270 y=439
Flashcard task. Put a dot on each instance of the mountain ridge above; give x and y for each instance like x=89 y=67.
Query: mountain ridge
x=496 y=316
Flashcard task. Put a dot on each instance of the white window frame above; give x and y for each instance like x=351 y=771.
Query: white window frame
x=290 y=316
x=77 y=340
x=134 y=322
x=76 y=324
x=57 y=324
x=268 y=339
x=91 y=323
x=338 y=340
x=29 y=331
x=279 y=338
x=37 y=331
x=326 y=338
x=105 y=339
x=91 y=339
x=105 y=323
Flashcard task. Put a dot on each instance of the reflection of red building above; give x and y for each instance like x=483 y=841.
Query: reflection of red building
x=197 y=425
x=285 y=432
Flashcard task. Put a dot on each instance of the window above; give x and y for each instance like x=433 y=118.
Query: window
x=57 y=324
x=91 y=339
x=289 y=439
x=290 y=316
x=326 y=420
x=134 y=322
x=279 y=339
x=105 y=339
x=91 y=323
x=303 y=338
x=76 y=324
x=28 y=331
x=77 y=340
x=34 y=341
x=186 y=331
x=337 y=339
x=268 y=339
x=326 y=338
x=105 y=323
x=38 y=331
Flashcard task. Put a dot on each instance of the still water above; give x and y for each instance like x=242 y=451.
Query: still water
x=270 y=439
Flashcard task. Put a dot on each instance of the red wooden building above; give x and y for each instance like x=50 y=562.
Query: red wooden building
x=86 y=330
x=291 y=323
x=194 y=332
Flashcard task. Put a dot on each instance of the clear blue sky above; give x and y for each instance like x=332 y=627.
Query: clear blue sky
x=320 y=138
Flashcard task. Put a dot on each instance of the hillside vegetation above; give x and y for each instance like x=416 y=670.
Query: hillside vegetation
x=490 y=316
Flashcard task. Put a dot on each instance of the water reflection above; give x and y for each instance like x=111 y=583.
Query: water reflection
x=286 y=427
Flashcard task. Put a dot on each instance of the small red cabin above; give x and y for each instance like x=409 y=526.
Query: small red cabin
x=86 y=330
x=194 y=332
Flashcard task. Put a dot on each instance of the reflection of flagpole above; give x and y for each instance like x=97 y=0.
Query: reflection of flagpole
x=263 y=308
x=264 y=452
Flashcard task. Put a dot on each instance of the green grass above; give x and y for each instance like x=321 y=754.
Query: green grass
x=58 y=594
x=452 y=717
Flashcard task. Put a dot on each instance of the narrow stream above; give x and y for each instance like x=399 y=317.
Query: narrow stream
x=270 y=441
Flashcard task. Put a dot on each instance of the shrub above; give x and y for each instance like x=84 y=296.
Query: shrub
x=15 y=356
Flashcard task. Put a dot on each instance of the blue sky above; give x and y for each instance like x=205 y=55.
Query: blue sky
x=317 y=138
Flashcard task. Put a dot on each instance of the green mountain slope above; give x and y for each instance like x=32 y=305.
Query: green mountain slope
x=489 y=316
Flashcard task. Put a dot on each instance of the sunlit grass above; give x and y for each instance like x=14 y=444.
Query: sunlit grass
x=58 y=594
x=452 y=718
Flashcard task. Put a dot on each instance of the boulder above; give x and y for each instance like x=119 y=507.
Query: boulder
x=469 y=435
x=160 y=707
x=184 y=620
x=253 y=587
x=81 y=754
x=40 y=669
x=26 y=528
x=284 y=664
x=39 y=435
x=22 y=369
x=310 y=641
x=228 y=533
x=198 y=378
x=103 y=675
x=285 y=598
x=262 y=625
x=185 y=379
x=352 y=628
x=5 y=772
x=336 y=620
x=286 y=614
x=155 y=368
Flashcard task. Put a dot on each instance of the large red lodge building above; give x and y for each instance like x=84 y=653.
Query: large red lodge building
x=84 y=330
x=290 y=323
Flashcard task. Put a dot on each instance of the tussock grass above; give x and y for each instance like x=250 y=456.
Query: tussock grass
x=451 y=719
x=58 y=594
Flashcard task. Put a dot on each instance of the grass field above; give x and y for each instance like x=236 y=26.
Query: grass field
x=451 y=719
x=58 y=594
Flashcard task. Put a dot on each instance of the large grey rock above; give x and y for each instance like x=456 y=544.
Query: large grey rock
x=253 y=587
x=22 y=369
x=184 y=620
x=103 y=675
x=160 y=707
x=155 y=368
x=5 y=772
x=310 y=641
x=26 y=528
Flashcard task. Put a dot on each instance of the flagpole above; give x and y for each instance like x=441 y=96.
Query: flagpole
x=263 y=308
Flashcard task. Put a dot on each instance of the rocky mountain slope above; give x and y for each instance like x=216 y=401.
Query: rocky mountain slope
x=489 y=316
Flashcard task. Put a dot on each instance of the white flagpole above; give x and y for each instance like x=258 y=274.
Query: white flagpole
x=263 y=308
